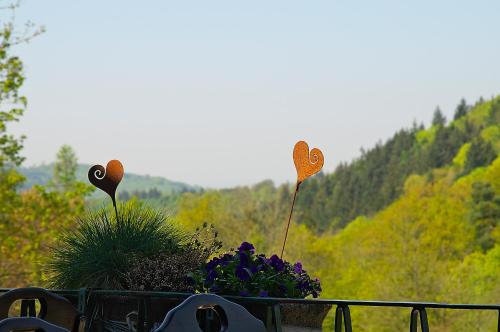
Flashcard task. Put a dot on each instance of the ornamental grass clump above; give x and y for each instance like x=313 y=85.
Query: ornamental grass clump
x=101 y=250
x=244 y=273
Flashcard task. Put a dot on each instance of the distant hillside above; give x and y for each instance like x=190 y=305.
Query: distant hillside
x=368 y=184
x=131 y=183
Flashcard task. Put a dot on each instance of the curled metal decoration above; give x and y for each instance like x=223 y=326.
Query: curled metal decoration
x=107 y=179
x=307 y=163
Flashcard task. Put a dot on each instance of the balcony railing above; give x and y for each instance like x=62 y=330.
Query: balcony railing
x=86 y=300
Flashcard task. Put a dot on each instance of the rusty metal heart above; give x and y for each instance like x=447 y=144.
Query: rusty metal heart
x=307 y=163
x=107 y=179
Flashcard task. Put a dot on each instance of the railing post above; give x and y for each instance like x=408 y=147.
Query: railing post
x=415 y=314
x=149 y=313
x=82 y=300
x=343 y=313
x=277 y=317
x=141 y=315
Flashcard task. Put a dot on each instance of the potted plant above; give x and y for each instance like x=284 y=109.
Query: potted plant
x=137 y=248
x=245 y=273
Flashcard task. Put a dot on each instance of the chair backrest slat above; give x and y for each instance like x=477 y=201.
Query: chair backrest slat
x=28 y=323
x=233 y=317
x=54 y=309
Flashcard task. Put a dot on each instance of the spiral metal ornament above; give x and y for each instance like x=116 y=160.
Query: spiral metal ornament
x=107 y=179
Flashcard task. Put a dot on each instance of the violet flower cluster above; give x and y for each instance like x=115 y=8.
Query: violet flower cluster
x=245 y=273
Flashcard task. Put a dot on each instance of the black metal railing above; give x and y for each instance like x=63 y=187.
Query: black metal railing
x=86 y=300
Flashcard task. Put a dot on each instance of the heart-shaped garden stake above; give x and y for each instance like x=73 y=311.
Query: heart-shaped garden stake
x=307 y=164
x=107 y=179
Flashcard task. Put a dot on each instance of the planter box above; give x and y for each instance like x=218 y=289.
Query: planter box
x=118 y=313
x=297 y=317
x=113 y=313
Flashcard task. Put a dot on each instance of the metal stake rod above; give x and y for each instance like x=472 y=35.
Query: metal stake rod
x=290 y=217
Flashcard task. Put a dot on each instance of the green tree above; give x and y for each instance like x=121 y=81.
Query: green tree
x=12 y=106
x=494 y=114
x=64 y=177
x=485 y=213
x=438 y=119
x=481 y=153
x=12 y=103
x=461 y=110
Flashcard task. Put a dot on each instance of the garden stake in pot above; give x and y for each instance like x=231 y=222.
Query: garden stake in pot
x=307 y=164
x=107 y=179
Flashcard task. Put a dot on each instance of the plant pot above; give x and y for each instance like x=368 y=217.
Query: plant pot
x=112 y=312
x=295 y=317
x=298 y=317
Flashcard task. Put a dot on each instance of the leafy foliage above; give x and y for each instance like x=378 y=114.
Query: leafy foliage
x=13 y=103
x=485 y=213
x=480 y=153
x=33 y=221
x=169 y=271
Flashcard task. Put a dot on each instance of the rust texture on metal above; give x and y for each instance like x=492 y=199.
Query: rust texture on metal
x=307 y=163
x=107 y=179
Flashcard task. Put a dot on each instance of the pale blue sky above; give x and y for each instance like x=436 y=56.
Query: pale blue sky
x=216 y=93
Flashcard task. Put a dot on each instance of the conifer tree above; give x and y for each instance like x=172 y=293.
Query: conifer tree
x=64 y=177
x=438 y=119
x=481 y=153
x=461 y=110
x=485 y=213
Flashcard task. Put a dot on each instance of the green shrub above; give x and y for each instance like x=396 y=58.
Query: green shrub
x=101 y=250
x=169 y=271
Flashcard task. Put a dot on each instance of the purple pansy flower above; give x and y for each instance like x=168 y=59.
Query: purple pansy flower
x=263 y=293
x=243 y=259
x=213 y=263
x=297 y=268
x=246 y=273
x=241 y=273
x=245 y=246
x=211 y=276
x=277 y=263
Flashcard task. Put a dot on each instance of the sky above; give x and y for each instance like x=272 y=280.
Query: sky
x=216 y=93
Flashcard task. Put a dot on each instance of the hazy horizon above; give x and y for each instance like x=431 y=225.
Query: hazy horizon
x=216 y=94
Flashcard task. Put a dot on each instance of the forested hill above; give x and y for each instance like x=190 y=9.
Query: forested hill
x=368 y=184
x=377 y=177
x=133 y=184
x=416 y=218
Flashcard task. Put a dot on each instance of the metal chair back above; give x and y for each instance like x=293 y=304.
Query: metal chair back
x=233 y=317
x=28 y=324
x=54 y=309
